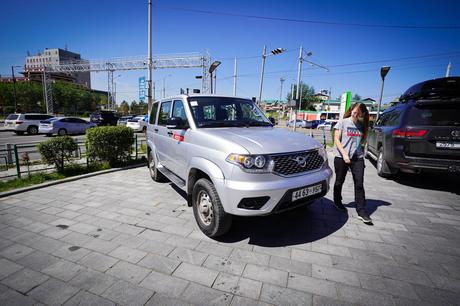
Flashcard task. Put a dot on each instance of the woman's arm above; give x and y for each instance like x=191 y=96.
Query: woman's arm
x=338 y=144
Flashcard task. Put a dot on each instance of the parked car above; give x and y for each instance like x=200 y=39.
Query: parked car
x=326 y=125
x=64 y=126
x=298 y=123
x=421 y=132
x=315 y=123
x=230 y=160
x=122 y=120
x=21 y=123
x=104 y=117
x=138 y=124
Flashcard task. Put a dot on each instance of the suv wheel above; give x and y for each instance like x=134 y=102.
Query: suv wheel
x=366 y=151
x=32 y=130
x=383 y=169
x=156 y=175
x=62 y=132
x=207 y=208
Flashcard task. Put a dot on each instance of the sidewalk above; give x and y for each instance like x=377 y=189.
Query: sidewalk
x=121 y=238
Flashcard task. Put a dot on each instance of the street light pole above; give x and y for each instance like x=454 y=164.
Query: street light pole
x=383 y=72
x=297 y=95
x=150 y=60
x=262 y=74
x=213 y=67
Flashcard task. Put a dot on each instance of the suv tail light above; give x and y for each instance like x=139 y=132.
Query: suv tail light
x=19 y=122
x=409 y=133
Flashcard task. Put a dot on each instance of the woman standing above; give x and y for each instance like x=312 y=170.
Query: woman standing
x=349 y=138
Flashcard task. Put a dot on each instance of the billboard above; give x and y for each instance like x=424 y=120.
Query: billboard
x=142 y=89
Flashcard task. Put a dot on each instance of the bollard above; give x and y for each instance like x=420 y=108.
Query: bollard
x=16 y=158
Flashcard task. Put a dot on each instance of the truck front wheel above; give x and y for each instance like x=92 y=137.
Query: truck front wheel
x=207 y=208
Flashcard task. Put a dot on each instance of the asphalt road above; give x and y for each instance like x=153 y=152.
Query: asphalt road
x=12 y=138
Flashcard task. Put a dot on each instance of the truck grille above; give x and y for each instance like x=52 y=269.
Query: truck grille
x=297 y=163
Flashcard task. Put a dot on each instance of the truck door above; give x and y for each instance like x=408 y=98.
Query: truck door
x=162 y=134
x=178 y=142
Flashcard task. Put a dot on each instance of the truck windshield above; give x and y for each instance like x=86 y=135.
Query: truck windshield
x=226 y=112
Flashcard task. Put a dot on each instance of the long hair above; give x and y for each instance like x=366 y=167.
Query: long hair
x=365 y=113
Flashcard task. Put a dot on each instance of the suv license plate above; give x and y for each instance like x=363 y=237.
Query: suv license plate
x=306 y=192
x=447 y=145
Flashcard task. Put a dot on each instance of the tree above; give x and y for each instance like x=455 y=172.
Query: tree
x=134 y=108
x=356 y=97
x=306 y=96
x=124 y=108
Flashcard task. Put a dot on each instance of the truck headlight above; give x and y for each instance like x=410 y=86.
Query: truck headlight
x=251 y=163
x=323 y=153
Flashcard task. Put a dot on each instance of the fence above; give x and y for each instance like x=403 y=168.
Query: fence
x=24 y=158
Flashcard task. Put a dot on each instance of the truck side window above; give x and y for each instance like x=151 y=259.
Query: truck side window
x=179 y=111
x=163 y=116
x=153 y=113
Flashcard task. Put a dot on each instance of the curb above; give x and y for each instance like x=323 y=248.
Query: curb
x=66 y=180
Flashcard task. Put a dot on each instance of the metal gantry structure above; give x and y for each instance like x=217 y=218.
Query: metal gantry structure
x=189 y=60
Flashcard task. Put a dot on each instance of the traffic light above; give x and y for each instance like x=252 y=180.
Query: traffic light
x=278 y=51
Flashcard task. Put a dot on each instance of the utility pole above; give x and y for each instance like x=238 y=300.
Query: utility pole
x=14 y=91
x=164 y=87
x=234 y=77
x=262 y=74
x=150 y=60
x=281 y=88
x=297 y=95
x=447 y=71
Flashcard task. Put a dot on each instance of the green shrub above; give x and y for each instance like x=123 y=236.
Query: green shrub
x=110 y=144
x=57 y=151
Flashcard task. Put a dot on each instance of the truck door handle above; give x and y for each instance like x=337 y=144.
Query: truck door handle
x=170 y=133
x=155 y=130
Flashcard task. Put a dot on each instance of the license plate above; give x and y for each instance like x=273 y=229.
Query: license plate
x=306 y=192
x=447 y=145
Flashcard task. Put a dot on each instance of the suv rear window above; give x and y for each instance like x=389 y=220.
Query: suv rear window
x=442 y=115
x=12 y=117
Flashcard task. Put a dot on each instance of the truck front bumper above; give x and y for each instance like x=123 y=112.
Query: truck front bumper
x=274 y=195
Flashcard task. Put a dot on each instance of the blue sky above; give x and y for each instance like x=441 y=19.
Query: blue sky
x=107 y=29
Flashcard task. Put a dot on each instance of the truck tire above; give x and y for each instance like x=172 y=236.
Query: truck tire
x=156 y=175
x=208 y=210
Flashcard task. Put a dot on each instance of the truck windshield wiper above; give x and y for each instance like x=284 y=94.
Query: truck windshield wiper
x=258 y=123
x=220 y=124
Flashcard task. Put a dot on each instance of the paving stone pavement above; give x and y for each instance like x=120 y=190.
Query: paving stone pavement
x=121 y=238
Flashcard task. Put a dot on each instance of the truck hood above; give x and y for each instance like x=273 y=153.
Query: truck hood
x=263 y=140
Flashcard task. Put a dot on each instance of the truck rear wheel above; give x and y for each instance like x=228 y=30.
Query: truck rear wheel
x=208 y=210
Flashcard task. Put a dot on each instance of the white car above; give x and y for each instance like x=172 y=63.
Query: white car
x=138 y=124
x=327 y=126
x=21 y=123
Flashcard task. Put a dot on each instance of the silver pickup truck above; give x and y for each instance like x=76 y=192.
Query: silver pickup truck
x=230 y=160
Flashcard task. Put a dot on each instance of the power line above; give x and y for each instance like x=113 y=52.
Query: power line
x=417 y=27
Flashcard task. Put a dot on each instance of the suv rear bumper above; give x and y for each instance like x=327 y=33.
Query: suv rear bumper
x=415 y=164
x=231 y=193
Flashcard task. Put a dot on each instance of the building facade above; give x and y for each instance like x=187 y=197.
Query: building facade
x=33 y=68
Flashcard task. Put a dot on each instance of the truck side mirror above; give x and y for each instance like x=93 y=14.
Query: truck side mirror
x=175 y=123
x=272 y=120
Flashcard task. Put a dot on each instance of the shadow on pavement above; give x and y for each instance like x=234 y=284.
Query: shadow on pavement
x=298 y=226
x=430 y=181
x=371 y=205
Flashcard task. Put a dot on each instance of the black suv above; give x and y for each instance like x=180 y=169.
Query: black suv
x=420 y=132
x=104 y=117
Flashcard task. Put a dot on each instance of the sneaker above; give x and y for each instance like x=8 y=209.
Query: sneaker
x=339 y=206
x=363 y=216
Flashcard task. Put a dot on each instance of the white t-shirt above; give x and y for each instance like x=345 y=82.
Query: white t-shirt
x=351 y=137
